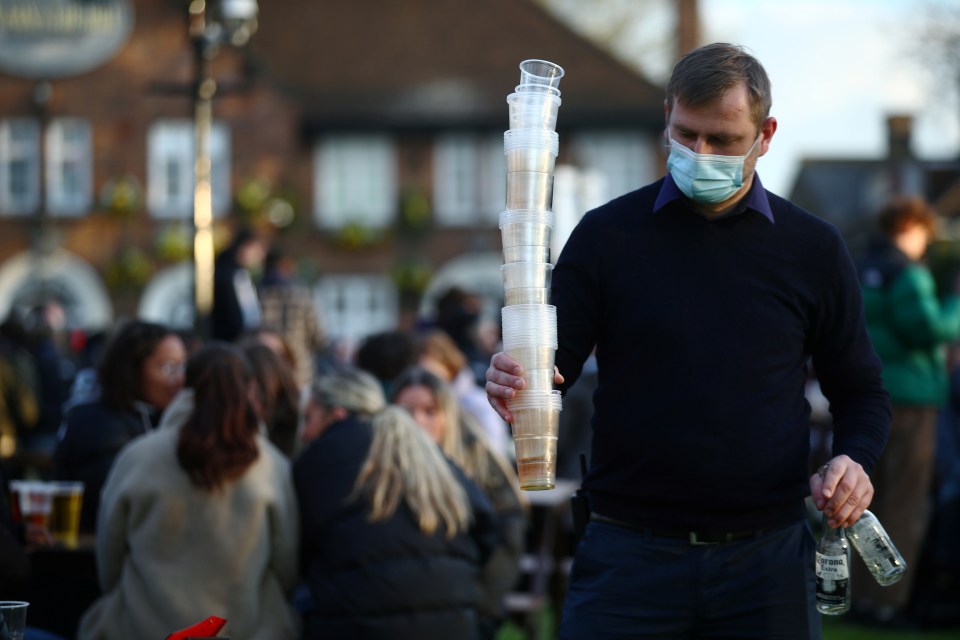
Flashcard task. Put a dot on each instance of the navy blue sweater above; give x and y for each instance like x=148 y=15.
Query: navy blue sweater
x=703 y=330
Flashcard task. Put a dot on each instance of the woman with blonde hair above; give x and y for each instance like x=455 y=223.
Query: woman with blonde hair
x=439 y=354
x=393 y=533
x=433 y=404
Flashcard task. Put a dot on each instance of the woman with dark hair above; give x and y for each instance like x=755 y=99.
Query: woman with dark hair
x=278 y=396
x=140 y=372
x=199 y=518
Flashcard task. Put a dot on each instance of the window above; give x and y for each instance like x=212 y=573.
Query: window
x=170 y=164
x=625 y=159
x=19 y=166
x=469 y=179
x=356 y=306
x=355 y=181
x=69 y=161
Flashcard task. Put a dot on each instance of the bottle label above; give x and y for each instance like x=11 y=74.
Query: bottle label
x=832 y=567
x=832 y=575
x=878 y=552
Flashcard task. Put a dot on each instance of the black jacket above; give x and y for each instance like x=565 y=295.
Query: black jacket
x=93 y=436
x=385 y=579
x=14 y=562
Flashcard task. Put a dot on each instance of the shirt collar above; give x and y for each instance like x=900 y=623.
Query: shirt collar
x=755 y=199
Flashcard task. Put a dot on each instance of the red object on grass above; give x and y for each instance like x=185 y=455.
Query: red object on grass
x=206 y=629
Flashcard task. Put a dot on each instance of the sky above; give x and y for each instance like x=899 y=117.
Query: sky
x=838 y=68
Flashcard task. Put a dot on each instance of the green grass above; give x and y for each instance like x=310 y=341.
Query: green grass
x=839 y=629
x=834 y=628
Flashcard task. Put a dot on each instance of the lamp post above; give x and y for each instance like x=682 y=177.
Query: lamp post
x=225 y=22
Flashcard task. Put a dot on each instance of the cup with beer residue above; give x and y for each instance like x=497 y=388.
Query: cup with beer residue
x=65 y=516
x=15 y=488
x=36 y=503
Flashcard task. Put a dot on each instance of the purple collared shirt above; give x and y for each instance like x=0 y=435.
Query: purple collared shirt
x=755 y=199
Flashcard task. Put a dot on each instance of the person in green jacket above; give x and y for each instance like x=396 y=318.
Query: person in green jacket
x=911 y=328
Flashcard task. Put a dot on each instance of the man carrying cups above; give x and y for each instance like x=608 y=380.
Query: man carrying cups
x=706 y=296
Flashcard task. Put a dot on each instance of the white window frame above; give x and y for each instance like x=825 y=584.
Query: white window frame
x=19 y=143
x=69 y=166
x=355 y=181
x=626 y=158
x=170 y=168
x=469 y=179
x=357 y=305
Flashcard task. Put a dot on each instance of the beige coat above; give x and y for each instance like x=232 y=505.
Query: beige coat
x=170 y=554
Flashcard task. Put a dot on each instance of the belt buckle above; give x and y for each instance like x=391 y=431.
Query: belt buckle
x=695 y=542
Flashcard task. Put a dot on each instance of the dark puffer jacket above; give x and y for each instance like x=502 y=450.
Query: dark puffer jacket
x=386 y=579
x=93 y=436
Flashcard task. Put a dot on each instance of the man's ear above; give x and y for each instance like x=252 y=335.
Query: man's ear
x=666 y=121
x=767 y=130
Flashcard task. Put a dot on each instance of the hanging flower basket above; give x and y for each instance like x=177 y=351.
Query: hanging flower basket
x=131 y=269
x=415 y=212
x=356 y=235
x=122 y=196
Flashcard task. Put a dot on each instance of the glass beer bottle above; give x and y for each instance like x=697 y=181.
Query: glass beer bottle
x=833 y=572
x=876 y=548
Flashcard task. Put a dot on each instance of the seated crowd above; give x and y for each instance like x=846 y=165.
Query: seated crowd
x=378 y=500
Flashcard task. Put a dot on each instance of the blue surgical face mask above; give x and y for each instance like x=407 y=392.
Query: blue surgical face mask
x=704 y=177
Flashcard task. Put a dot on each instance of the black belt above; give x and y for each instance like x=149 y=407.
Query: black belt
x=693 y=537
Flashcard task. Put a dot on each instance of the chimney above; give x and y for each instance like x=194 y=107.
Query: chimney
x=688 y=27
x=899 y=132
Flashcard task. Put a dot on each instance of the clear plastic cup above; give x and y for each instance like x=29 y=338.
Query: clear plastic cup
x=13 y=614
x=545 y=339
x=528 y=315
x=531 y=138
x=36 y=503
x=536 y=413
x=519 y=275
x=516 y=216
x=530 y=190
x=533 y=109
x=528 y=329
x=536 y=462
x=526 y=295
x=526 y=398
x=529 y=324
x=538 y=379
x=530 y=159
x=65 y=517
x=531 y=355
x=526 y=253
x=540 y=75
x=536 y=88
x=525 y=234
x=526 y=228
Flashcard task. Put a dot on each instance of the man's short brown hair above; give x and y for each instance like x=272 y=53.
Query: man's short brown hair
x=706 y=74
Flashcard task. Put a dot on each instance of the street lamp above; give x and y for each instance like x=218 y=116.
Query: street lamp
x=229 y=22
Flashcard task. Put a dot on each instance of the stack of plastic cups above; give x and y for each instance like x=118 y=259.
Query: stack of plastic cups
x=529 y=320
